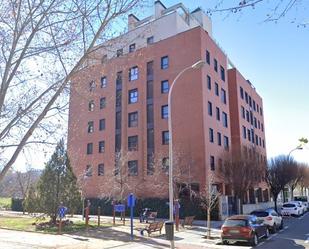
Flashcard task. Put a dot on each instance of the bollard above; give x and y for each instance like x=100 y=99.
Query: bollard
x=99 y=214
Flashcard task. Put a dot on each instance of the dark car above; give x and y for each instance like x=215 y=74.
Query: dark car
x=243 y=228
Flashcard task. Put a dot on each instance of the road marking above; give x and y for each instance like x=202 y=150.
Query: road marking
x=307 y=241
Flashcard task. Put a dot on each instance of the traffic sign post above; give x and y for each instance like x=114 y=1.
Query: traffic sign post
x=61 y=213
x=131 y=204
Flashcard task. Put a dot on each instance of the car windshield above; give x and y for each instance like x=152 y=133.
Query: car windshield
x=235 y=223
x=289 y=205
x=301 y=198
x=260 y=213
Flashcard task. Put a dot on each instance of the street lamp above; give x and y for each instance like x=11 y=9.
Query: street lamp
x=199 y=64
x=299 y=147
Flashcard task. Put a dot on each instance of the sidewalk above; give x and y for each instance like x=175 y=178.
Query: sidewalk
x=119 y=236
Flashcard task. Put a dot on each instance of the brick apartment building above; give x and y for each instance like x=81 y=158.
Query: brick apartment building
x=118 y=107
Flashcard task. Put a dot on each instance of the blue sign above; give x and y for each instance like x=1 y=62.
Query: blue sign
x=62 y=211
x=120 y=208
x=131 y=200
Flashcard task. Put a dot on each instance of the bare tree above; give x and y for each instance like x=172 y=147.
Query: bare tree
x=43 y=45
x=279 y=173
x=209 y=200
x=241 y=173
x=275 y=10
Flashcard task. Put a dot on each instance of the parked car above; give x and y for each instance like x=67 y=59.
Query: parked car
x=304 y=200
x=270 y=218
x=290 y=209
x=245 y=228
x=300 y=205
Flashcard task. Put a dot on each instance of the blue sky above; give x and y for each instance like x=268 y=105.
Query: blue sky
x=275 y=57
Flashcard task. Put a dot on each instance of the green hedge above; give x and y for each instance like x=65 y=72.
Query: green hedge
x=17 y=204
x=187 y=207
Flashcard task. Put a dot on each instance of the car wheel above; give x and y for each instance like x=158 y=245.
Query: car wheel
x=281 y=225
x=267 y=232
x=225 y=242
x=255 y=240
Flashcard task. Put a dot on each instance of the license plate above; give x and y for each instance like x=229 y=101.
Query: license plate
x=234 y=231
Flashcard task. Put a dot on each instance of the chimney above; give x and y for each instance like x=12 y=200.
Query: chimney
x=132 y=20
x=159 y=7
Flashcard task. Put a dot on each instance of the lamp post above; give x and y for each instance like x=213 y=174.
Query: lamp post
x=299 y=147
x=199 y=64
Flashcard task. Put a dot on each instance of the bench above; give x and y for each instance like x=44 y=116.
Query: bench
x=153 y=227
x=188 y=221
x=152 y=216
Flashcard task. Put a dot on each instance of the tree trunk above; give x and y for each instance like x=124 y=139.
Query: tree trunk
x=208 y=223
x=275 y=200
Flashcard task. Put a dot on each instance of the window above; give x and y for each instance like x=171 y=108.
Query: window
x=164 y=86
x=216 y=89
x=149 y=89
x=208 y=82
x=257 y=108
x=165 y=137
x=133 y=73
x=226 y=142
x=261 y=111
x=164 y=112
x=101 y=146
x=150 y=40
x=117 y=142
x=218 y=113
x=223 y=96
x=103 y=81
x=263 y=143
x=90 y=127
x=244 y=132
x=132 y=143
x=255 y=122
x=118 y=120
x=250 y=101
x=165 y=164
x=132 y=48
x=150 y=139
x=246 y=97
x=222 y=73
x=88 y=170
x=212 y=163
x=133 y=96
x=102 y=102
x=133 y=119
x=219 y=138
x=150 y=114
x=91 y=86
x=247 y=116
x=224 y=119
x=101 y=169
x=207 y=57
x=249 y=135
x=164 y=62
x=91 y=106
x=104 y=59
x=254 y=106
x=102 y=124
x=259 y=124
x=209 y=108
x=262 y=127
x=89 y=148
x=211 y=135
x=118 y=97
x=119 y=52
x=256 y=140
x=260 y=141
x=215 y=65
x=132 y=167
x=150 y=164
x=241 y=92
x=243 y=112
x=119 y=78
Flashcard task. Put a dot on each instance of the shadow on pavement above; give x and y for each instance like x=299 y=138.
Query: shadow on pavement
x=110 y=233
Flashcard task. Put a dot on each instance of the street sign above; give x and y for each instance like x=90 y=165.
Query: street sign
x=119 y=208
x=131 y=200
x=62 y=211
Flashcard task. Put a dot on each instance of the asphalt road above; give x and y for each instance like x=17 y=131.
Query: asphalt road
x=294 y=235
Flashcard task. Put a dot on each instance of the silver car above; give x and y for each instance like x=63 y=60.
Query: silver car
x=270 y=218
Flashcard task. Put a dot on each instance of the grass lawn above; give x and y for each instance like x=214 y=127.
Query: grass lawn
x=5 y=202
x=25 y=224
